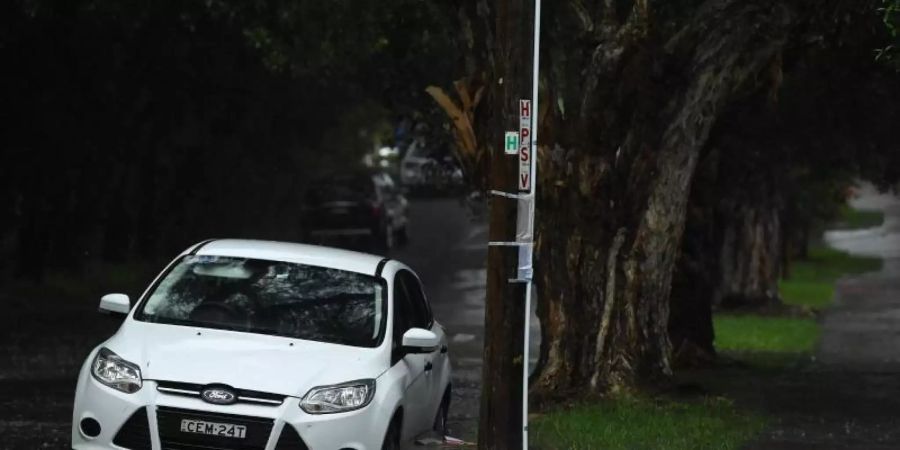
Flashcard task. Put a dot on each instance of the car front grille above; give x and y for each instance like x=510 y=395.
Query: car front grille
x=172 y=438
x=243 y=395
x=135 y=433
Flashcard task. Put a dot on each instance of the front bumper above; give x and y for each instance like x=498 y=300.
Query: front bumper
x=121 y=421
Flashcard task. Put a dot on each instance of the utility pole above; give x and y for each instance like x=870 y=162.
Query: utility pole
x=502 y=413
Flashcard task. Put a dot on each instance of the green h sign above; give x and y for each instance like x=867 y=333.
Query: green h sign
x=511 y=144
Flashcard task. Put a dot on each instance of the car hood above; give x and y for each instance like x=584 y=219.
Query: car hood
x=250 y=361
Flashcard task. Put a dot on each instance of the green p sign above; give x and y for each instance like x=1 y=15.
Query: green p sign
x=511 y=144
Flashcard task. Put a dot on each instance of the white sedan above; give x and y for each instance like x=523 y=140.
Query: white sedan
x=265 y=345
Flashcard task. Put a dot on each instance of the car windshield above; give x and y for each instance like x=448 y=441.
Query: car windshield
x=270 y=297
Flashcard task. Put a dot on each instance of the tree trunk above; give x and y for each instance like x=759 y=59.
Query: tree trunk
x=697 y=274
x=750 y=257
x=617 y=169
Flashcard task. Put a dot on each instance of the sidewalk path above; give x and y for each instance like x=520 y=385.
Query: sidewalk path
x=850 y=398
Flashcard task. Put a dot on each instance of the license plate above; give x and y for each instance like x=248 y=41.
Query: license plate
x=213 y=428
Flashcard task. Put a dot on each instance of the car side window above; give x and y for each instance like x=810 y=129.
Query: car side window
x=421 y=313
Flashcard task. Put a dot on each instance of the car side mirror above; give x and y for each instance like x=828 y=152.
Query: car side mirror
x=115 y=304
x=419 y=340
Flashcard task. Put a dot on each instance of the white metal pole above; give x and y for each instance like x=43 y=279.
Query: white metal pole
x=525 y=364
x=526 y=359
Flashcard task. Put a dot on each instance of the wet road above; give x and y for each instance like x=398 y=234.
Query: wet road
x=449 y=252
x=42 y=348
x=448 y=249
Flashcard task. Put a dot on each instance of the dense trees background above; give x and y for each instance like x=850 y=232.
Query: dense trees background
x=740 y=122
x=686 y=147
x=134 y=128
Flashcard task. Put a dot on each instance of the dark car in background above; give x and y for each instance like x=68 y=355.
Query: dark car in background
x=358 y=209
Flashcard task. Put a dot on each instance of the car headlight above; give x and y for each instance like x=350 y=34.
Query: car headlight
x=338 y=398
x=113 y=371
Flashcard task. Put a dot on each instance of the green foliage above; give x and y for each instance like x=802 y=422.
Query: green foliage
x=640 y=423
x=145 y=126
x=890 y=13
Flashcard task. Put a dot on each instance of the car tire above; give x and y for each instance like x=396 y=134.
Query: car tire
x=403 y=235
x=440 y=419
x=392 y=436
x=383 y=240
x=388 y=238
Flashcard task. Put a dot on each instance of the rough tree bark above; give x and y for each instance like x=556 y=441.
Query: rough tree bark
x=629 y=97
x=617 y=167
x=750 y=257
x=731 y=252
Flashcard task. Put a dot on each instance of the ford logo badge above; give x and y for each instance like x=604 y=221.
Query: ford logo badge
x=218 y=395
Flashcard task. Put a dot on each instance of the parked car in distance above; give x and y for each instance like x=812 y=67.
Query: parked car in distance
x=429 y=170
x=357 y=206
x=250 y=345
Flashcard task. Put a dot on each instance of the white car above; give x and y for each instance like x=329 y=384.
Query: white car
x=264 y=345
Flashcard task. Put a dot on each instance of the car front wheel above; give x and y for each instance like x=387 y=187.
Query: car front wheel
x=392 y=437
x=440 y=419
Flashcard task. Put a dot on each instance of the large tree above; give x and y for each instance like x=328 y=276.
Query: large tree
x=630 y=93
x=775 y=169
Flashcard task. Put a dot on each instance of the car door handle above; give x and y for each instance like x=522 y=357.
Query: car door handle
x=428 y=366
x=444 y=348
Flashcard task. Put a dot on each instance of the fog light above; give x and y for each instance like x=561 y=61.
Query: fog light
x=90 y=427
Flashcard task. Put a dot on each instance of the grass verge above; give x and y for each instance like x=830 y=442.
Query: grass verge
x=750 y=333
x=769 y=344
x=640 y=423
x=811 y=281
x=855 y=219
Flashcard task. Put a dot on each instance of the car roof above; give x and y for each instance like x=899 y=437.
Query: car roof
x=312 y=255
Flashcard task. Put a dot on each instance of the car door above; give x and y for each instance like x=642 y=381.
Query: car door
x=436 y=363
x=415 y=402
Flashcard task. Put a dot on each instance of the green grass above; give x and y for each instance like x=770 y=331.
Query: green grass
x=854 y=219
x=811 y=281
x=639 y=423
x=765 y=340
